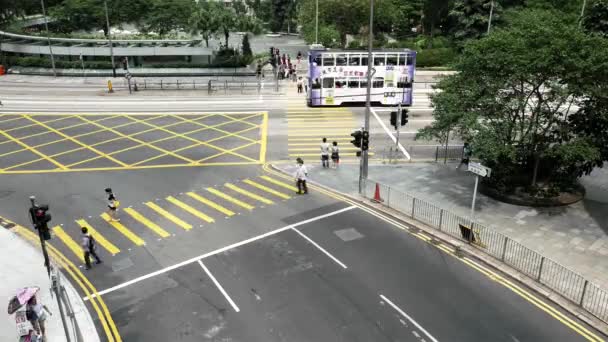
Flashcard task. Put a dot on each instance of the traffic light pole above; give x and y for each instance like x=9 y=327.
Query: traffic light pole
x=364 y=155
x=47 y=263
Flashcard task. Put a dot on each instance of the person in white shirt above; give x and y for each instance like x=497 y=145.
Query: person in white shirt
x=300 y=176
x=325 y=153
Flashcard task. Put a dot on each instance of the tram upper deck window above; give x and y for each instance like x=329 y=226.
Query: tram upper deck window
x=317 y=60
x=392 y=60
x=354 y=60
x=379 y=60
x=402 y=58
x=328 y=60
x=341 y=60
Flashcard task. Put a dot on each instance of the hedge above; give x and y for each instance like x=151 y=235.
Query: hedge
x=435 y=57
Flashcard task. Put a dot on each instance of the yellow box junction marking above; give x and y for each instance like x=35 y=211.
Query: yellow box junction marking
x=230 y=198
x=32 y=120
x=267 y=189
x=124 y=230
x=190 y=210
x=248 y=194
x=99 y=238
x=212 y=204
x=69 y=242
x=153 y=226
x=169 y=216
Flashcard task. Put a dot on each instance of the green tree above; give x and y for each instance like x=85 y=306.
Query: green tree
x=246 y=47
x=165 y=16
x=596 y=18
x=72 y=15
x=204 y=21
x=408 y=15
x=515 y=97
x=471 y=17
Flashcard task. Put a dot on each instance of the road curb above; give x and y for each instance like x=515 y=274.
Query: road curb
x=476 y=254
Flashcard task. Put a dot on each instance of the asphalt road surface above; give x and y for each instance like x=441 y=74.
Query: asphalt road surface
x=221 y=250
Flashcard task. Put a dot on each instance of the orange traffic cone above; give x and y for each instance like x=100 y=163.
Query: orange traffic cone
x=377 y=197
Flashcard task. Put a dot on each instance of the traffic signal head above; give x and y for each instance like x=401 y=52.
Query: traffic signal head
x=394 y=119
x=404 y=117
x=357 y=135
x=365 y=141
x=41 y=218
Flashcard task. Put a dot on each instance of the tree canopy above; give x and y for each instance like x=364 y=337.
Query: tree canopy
x=531 y=99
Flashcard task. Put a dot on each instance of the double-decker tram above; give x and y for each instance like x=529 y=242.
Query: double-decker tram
x=340 y=76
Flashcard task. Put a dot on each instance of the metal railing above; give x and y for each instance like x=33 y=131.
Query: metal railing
x=391 y=153
x=210 y=86
x=542 y=269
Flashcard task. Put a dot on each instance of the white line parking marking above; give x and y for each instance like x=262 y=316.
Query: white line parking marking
x=219 y=286
x=217 y=251
x=320 y=248
x=408 y=317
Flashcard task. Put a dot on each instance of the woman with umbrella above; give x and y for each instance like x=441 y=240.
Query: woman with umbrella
x=34 y=311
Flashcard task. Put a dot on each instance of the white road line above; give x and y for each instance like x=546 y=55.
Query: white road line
x=217 y=251
x=219 y=286
x=408 y=317
x=321 y=248
x=390 y=134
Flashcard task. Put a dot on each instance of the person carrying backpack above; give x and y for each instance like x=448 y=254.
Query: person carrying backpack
x=89 y=246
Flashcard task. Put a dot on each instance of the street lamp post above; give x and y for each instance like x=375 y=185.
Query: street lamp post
x=364 y=156
x=105 y=4
x=491 y=12
x=580 y=20
x=46 y=26
x=317 y=22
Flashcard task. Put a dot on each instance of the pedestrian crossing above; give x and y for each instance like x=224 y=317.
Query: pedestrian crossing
x=162 y=218
x=307 y=126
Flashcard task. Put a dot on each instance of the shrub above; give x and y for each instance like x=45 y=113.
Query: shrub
x=354 y=44
x=435 y=57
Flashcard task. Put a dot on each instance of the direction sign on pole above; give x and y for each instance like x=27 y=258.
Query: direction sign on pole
x=479 y=169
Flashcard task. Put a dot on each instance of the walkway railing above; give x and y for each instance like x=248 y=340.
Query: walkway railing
x=211 y=86
x=542 y=269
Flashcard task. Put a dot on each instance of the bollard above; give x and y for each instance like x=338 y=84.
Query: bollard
x=110 y=90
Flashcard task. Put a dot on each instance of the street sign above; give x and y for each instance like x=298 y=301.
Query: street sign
x=479 y=169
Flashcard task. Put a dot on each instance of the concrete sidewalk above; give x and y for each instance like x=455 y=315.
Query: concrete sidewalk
x=576 y=236
x=22 y=265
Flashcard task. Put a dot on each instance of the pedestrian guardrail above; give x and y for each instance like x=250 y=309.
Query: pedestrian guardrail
x=391 y=153
x=210 y=86
x=541 y=269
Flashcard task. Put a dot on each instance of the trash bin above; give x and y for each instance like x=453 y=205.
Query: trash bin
x=2 y=70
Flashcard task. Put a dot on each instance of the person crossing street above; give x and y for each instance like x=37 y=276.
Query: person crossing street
x=300 y=176
x=89 y=247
